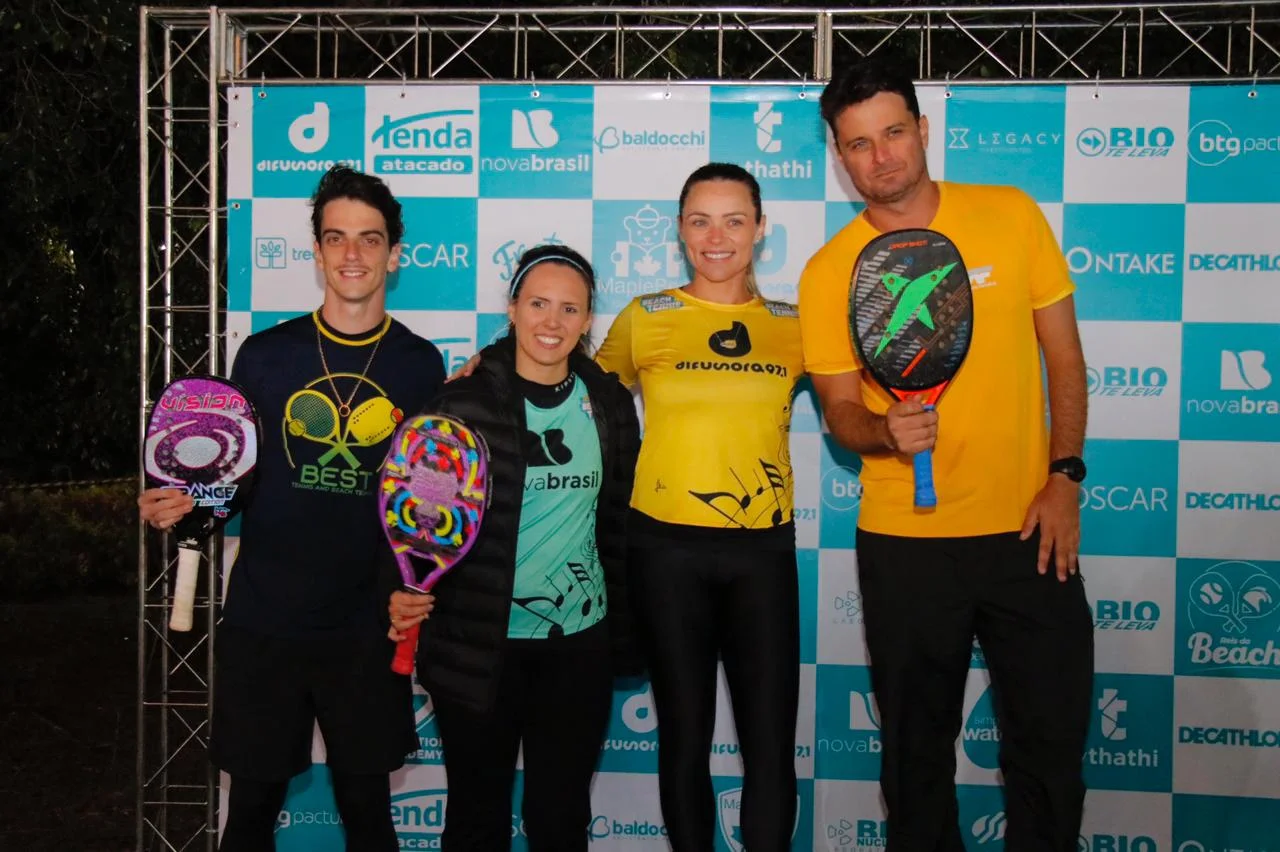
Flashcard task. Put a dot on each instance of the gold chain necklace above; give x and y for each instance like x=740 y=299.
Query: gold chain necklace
x=344 y=407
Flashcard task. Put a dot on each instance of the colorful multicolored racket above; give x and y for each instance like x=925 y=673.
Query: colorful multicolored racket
x=432 y=499
x=911 y=316
x=202 y=438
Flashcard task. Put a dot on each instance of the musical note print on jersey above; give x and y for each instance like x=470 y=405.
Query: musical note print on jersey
x=767 y=492
x=581 y=598
x=558 y=588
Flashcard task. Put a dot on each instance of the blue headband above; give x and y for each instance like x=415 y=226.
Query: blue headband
x=562 y=258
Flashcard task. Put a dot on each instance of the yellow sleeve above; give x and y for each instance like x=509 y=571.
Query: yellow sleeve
x=617 y=352
x=1050 y=279
x=824 y=319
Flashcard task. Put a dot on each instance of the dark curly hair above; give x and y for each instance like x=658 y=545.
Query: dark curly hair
x=344 y=182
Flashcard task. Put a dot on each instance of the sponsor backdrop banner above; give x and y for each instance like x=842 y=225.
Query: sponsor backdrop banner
x=1165 y=201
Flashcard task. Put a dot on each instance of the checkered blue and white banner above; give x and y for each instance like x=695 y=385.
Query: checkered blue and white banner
x=1166 y=201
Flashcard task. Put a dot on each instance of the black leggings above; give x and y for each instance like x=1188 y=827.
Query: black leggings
x=694 y=604
x=364 y=804
x=553 y=699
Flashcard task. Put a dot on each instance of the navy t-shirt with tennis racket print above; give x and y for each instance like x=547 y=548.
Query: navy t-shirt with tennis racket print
x=311 y=546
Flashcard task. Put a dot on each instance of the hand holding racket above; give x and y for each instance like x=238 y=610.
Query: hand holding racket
x=202 y=439
x=432 y=498
x=911 y=318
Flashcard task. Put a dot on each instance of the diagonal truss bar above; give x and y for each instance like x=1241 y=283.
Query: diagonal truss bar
x=1274 y=52
x=157 y=832
x=183 y=659
x=269 y=49
x=194 y=175
x=1195 y=42
x=269 y=46
x=661 y=52
x=897 y=28
x=986 y=48
x=1070 y=58
x=462 y=48
x=383 y=61
x=1187 y=48
x=191 y=738
x=982 y=45
x=578 y=57
x=776 y=54
x=166 y=76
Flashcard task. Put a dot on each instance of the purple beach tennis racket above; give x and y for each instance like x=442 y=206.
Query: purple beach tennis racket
x=432 y=499
x=202 y=438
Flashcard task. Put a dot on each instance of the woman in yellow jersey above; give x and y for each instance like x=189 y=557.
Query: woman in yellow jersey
x=711 y=536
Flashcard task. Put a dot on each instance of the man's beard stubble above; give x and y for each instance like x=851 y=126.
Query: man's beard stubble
x=872 y=197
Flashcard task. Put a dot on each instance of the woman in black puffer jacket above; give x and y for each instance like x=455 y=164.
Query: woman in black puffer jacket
x=527 y=633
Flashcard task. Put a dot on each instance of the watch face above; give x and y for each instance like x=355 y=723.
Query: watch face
x=1072 y=467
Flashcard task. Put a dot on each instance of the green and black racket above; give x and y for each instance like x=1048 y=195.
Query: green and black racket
x=911 y=317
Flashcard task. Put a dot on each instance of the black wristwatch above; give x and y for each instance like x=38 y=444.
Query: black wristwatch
x=1072 y=467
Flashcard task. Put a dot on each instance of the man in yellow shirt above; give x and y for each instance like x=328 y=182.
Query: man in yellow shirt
x=996 y=558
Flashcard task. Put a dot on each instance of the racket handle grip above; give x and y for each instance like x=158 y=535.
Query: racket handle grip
x=922 y=462
x=184 y=589
x=406 y=648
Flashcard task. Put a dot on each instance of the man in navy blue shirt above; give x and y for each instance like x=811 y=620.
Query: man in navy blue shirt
x=303 y=637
